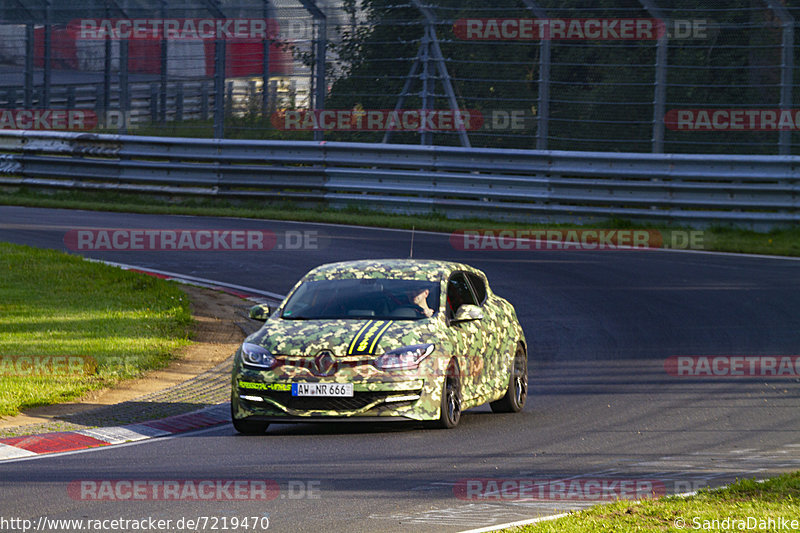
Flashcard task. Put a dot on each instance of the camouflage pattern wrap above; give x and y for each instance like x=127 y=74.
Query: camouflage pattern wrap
x=309 y=351
x=390 y=268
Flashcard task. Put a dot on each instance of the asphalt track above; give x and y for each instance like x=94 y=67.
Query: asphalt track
x=600 y=325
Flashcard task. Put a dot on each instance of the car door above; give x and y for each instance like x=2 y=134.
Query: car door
x=469 y=335
x=492 y=337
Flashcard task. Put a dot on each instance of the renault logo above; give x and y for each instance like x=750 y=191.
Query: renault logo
x=325 y=363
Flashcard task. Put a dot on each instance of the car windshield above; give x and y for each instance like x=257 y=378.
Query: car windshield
x=391 y=299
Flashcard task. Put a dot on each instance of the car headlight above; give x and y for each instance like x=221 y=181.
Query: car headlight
x=255 y=355
x=405 y=358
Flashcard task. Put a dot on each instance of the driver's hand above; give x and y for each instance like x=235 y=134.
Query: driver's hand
x=421 y=300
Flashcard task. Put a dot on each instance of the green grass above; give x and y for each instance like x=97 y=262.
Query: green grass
x=54 y=304
x=784 y=241
x=773 y=499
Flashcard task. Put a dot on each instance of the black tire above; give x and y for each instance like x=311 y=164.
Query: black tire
x=248 y=427
x=517 y=391
x=450 y=407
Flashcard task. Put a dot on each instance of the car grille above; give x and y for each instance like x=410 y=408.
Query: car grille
x=359 y=400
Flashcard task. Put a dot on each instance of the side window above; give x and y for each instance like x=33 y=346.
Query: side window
x=458 y=293
x=478 y=286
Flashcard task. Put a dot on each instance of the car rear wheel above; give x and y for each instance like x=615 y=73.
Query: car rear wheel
x=450 y=410
x=517 y=392
x=248 y=427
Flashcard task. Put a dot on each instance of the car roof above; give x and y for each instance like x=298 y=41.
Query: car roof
x=411 y=269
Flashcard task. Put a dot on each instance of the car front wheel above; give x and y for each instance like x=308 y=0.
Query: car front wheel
x=450 y=409
x=248 y=427
x=517 y=392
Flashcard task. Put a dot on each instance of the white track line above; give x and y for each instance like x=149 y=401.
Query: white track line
x=517 y=524
x=189 y=279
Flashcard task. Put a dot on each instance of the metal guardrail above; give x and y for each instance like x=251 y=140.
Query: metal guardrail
x=755 y=191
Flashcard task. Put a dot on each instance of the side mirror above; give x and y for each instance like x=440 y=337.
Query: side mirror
x=468 y=312
x=260 y=312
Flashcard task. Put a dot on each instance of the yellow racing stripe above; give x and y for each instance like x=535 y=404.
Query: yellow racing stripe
x=378 y=336
x=355 y=339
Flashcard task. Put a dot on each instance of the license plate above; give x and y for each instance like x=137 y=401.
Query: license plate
x=322 y=389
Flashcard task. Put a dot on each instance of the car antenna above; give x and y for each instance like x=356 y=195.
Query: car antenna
x=411 y=253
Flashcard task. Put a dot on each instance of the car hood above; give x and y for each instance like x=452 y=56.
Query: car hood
x=341 y=337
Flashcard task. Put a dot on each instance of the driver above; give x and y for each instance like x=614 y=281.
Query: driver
x=419 y=297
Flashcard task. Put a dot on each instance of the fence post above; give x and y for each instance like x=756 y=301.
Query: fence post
x=267 y=11
x=787 y=68
x=178 y=102
x=219 y=89
x=107 y=48
x=71 y=97
x=545 y=61
x=229 y=94
x=273 y=95
x=29 y=51
x=425 y=137
x=203 y=100
x=100 y=105
x=48 y=44
x=124 y=98
x=660 y=89
x=153 y=102
x=320 y=47
x=163 y=68
x=320 y=55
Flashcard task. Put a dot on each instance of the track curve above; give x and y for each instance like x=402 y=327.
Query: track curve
x=600 y=326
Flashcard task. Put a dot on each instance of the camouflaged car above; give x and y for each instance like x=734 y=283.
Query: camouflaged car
x=380 y=340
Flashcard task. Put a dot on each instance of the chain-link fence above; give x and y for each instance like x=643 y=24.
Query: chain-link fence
x=610 y=75
x=193 y=68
